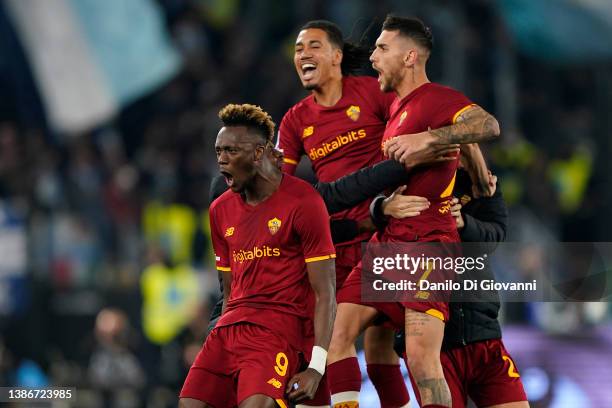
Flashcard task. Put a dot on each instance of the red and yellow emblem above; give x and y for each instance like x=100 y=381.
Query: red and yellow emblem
x=274 y=225
x=307 y=132
x=353 y=112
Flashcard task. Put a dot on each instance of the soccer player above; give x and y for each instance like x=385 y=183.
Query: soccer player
x=272 y=242
x=475 y=361
x=400 y=58
x=339 y=126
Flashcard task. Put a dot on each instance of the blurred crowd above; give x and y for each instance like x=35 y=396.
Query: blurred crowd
x=107 y=274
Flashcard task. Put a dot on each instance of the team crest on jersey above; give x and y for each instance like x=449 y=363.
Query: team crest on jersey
x=402 y=117
x=274 y=225
x=353 y=112
x=307 y=132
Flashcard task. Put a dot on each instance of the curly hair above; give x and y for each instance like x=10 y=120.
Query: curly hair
x=251 y=116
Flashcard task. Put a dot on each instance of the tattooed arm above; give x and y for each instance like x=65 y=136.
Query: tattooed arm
x=471 y=126
x=474 y=163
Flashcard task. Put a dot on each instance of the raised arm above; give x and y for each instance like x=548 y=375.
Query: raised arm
x=472 y=125
x=474 y=163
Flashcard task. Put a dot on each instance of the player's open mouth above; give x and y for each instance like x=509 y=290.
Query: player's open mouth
x=308 y=70
x=379 y=73
x=229 y=179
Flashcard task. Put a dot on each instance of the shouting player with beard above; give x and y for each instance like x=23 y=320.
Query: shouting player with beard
x=400 y=57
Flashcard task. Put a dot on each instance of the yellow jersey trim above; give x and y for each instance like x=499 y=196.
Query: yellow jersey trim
x=224 y=268
x=320 y=258
x=281 y=403
x=435 y=313
x=449 y=188
x=460 y=111
x=290 y=161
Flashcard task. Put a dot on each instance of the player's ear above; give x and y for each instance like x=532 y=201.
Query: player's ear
x=259 y=152
x=411 y=57
x=337 y=56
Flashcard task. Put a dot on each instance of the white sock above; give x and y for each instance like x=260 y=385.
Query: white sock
x=311 y=406
x=350 y=399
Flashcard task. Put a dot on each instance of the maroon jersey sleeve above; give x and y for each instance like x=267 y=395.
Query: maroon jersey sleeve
x=311 y=224
x=222 y=258
x=290 y=142
x=446 y=105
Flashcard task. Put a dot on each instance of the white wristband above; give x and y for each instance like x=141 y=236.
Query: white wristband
x=318 y=359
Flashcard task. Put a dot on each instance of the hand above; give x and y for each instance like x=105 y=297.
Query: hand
x=456 y=212
x=401 y=206
x=418 y=149
x=415 y=142
x=485 y=188
x=432 y=155
x=307 y=383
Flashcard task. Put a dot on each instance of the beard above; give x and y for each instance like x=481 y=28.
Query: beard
x=391 y=79
x=389 y=82
x=386 y=86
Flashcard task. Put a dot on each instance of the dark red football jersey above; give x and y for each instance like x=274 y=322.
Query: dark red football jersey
x=266 y=247
x=429 y=106
x=339 y=139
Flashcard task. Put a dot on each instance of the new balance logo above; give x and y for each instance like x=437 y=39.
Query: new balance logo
x=275 y=383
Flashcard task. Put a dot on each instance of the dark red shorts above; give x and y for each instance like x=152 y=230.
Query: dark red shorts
x=238 y=361
x=347 y=256
x=485 y=372
x=482 y=371
x=350 y=292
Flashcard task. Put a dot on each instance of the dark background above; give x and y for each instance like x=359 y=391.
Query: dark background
x=112 y=217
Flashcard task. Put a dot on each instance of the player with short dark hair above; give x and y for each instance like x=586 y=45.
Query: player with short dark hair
x=278 y=277
x=339 y=126
x=400 y=57
x=413 y=28
x=354 y=56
